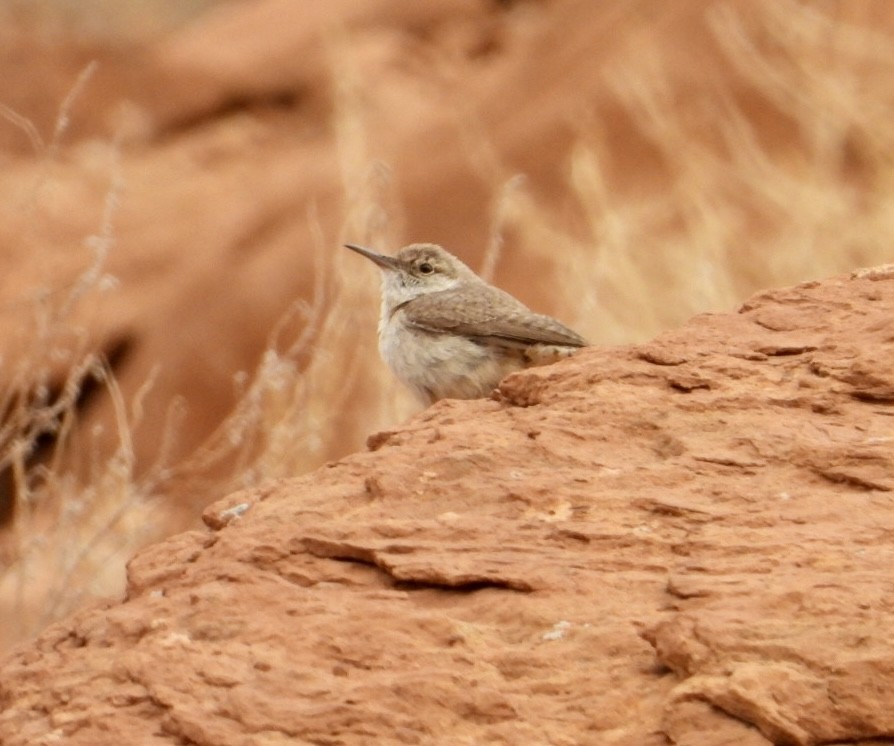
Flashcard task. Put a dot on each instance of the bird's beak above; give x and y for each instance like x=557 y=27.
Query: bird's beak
x=384 y=261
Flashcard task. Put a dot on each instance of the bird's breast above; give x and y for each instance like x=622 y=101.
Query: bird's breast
x=442 y=365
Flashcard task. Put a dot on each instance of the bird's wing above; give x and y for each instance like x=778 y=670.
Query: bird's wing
x=492 y=316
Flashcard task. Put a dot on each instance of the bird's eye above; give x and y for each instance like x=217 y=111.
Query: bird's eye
x=426 y=268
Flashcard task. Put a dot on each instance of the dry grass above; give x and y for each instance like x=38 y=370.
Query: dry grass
x=67 y=540
x=732 y=219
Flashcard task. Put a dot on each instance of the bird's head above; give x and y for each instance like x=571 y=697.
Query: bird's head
x=417 y=269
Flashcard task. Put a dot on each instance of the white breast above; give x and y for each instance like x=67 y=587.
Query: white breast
x=442 y=366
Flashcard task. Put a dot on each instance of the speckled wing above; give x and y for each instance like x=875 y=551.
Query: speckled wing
x=488 y=315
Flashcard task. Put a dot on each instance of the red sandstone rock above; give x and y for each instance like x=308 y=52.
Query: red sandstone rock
x=686 y=541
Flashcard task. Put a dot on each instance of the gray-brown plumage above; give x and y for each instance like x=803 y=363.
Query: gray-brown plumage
x=487 y=315
x=446 y=333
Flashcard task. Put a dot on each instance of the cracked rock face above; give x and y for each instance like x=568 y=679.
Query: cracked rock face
x=687 y=541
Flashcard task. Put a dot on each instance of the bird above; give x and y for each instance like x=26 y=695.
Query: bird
x=447 y=334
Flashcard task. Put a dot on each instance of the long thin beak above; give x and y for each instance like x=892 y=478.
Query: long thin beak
x=385 y=262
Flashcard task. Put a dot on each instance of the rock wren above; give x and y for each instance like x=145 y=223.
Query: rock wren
x=447 y=334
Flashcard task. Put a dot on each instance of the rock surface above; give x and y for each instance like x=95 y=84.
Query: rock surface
x=686 y=541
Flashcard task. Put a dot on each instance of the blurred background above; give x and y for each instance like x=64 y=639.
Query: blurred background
x=177 y=318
